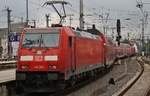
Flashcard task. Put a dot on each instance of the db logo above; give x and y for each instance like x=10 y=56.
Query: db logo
x=38 y=58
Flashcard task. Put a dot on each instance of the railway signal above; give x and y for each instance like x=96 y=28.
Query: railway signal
x=118 y=31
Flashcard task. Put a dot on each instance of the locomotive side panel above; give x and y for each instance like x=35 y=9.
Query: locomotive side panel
x=67 y=53
x=88 y=54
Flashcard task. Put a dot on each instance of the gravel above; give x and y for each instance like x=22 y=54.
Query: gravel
x=121 y=73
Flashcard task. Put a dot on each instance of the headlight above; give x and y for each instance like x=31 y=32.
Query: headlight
x=26 y=58
x=52 y=67
x=51 y=58
x=24 y=67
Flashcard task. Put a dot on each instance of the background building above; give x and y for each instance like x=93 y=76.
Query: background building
x=16 y=29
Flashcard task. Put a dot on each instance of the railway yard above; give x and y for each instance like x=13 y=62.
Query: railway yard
x=93 y=50
x=131 y=78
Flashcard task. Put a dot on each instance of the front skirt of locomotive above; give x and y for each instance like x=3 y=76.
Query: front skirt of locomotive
x=30 y=82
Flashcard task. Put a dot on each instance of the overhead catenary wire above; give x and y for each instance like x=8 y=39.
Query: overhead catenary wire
x=73 y=9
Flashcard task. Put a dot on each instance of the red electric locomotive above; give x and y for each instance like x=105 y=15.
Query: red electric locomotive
x=53 y=56
x=57 y=54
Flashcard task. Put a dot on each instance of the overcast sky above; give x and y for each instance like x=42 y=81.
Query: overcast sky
x=117 y=9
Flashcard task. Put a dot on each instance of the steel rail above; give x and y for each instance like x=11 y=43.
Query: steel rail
x=147 y=92
x=134 y=81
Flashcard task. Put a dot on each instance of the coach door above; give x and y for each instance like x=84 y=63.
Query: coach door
x=72 y=54
x=104 y=54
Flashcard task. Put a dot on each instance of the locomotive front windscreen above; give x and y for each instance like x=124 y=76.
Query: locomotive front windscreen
x=40 y=39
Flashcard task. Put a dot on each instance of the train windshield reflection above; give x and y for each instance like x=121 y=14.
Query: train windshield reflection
x=38 y=40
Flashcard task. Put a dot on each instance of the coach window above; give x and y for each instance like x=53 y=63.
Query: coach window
x=70 y=41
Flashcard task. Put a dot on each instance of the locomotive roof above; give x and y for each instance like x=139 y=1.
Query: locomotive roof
x=78 y=33
x=41 y=29
x=86 y=35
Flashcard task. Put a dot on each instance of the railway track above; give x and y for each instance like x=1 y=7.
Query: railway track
x=81 y=84
x=147 y=92
x=90 y=81
x=73 y=88
x=86 y=82
x=141 y=61
x=7 y=64
x=122 y=72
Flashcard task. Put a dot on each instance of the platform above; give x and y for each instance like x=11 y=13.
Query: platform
x=6 y=62
x=7 y=75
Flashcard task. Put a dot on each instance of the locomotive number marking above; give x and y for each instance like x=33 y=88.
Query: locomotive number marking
x=38 y=58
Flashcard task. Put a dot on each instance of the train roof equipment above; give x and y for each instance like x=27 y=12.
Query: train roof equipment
x=63 y=3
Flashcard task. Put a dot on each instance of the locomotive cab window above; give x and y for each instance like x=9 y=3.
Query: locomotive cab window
x=40 y=39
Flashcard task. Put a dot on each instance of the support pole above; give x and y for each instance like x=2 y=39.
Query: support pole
x=47 y=20
x=9 y=30
x=70 y=20
x=128 y=36
x=81 y=15
x=143 y=34
x=113 y=33
x=27 y=13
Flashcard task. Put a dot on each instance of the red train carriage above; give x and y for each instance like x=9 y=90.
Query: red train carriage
x=110 y=51
x=125 y=50
x=56 y=54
